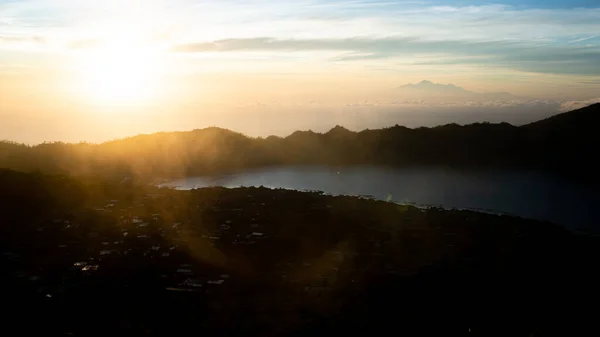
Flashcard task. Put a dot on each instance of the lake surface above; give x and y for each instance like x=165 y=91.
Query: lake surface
x=526 y=194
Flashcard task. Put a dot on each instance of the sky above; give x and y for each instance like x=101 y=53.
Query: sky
x=79 y=70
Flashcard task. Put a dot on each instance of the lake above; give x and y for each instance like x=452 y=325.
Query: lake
x=527 y=194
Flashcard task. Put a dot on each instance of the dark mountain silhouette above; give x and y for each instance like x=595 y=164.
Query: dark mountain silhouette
x=581 y=118
x=565 y=143
x=567 y=139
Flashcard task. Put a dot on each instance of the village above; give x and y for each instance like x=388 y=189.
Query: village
x=274 y=259
x=216 y=244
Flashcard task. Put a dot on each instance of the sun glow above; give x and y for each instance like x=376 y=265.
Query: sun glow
x=119 y=74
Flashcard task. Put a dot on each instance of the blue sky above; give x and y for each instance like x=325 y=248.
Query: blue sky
x=547 y=37
x=523 y=4
x=553 y=38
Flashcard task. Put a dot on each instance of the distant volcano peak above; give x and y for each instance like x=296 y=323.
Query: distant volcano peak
x=428 y=88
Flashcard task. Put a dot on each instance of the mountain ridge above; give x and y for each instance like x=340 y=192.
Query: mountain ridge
x=562 y=143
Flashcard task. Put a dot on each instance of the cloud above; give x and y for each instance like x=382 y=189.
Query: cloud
x=547 y=105
x=21 y=42
x=391 y=45
x=21 y=39
x=427 y=33
x=585 y=38
x=591 y=82
x=85 y=44
x=273 y=44
x=325 y=18
x=541 y=58
x=573 y=105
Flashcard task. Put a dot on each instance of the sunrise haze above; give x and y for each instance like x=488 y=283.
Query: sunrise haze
x=99 y=70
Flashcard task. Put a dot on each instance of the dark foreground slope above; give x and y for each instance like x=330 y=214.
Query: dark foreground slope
x=136 y=261
x=564 y=144
x=567 y=141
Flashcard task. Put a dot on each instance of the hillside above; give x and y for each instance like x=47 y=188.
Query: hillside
x=584 y=117
x=562 y=144
x=145 y=261
x=567 y=140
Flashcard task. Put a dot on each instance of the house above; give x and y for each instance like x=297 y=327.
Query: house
x=78 y=266
x=179 y=289
x=216 y=282
x=185 y=268
x=195 y=283
x=90 y=267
